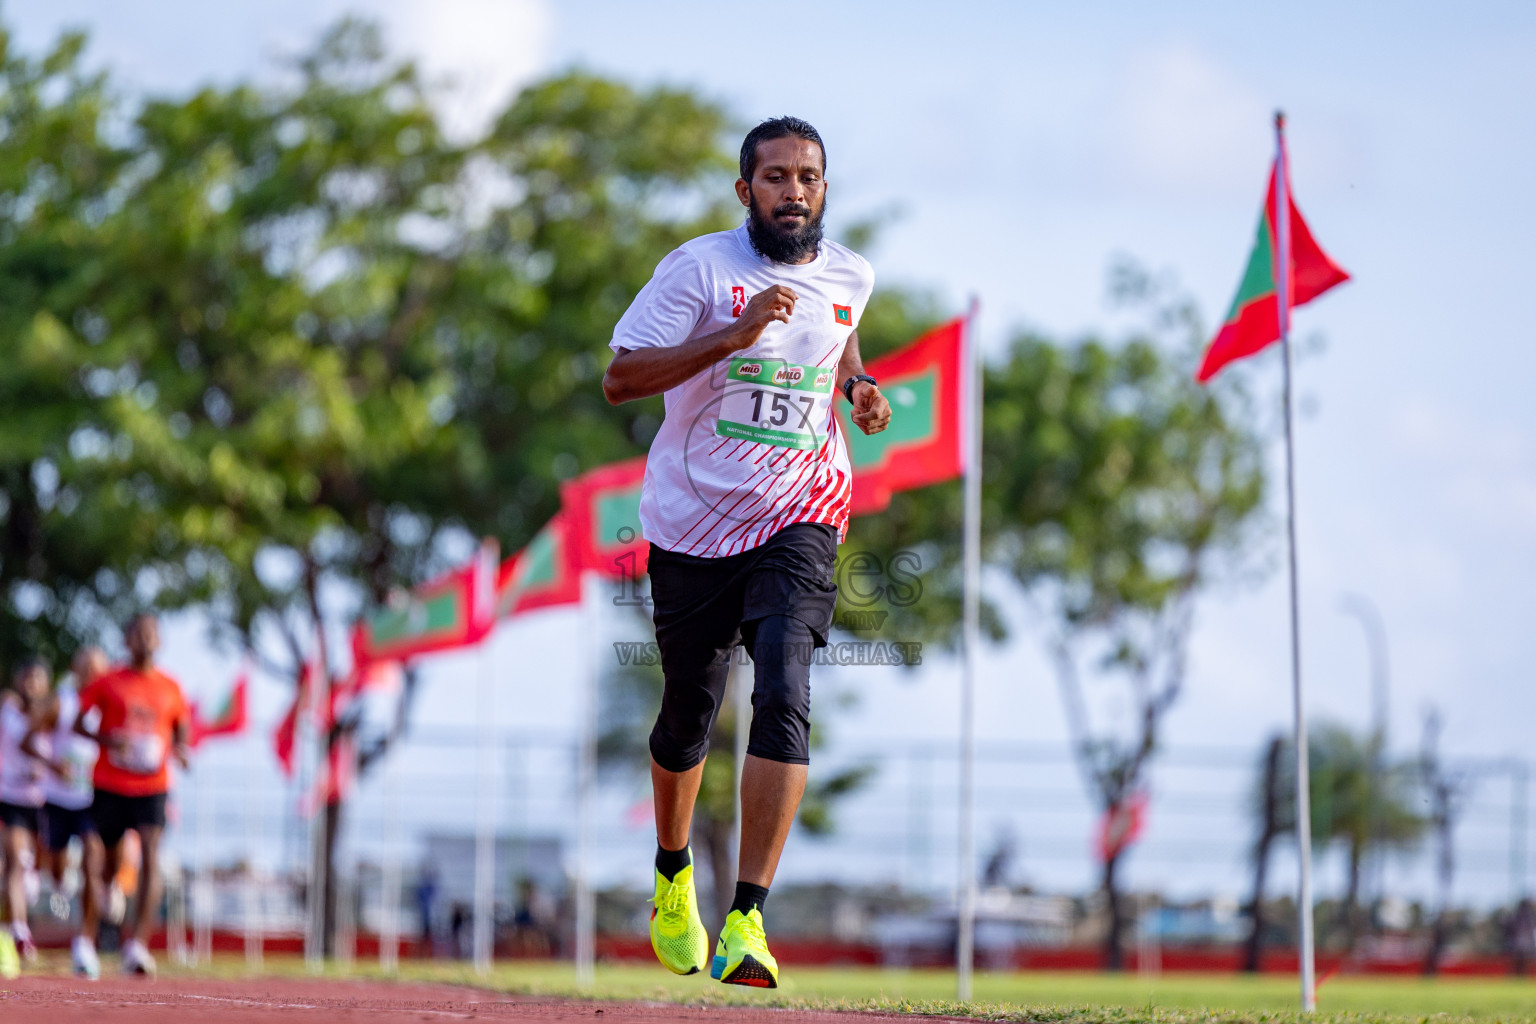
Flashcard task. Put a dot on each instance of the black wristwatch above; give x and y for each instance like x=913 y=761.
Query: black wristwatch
x=851 y=381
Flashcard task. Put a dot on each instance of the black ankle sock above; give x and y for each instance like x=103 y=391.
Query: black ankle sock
x=670 y=862
x=749 y=896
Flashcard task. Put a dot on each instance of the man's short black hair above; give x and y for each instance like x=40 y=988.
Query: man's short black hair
x=778 y=128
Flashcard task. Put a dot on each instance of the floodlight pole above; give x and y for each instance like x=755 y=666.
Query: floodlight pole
x=965 y=953
x=1282 y=226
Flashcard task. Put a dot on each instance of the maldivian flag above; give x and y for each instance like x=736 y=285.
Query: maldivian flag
x=542 y=575
x=604 y=509
x=925 y=442
x=454 y=610
x=1253 y=322
x=286 y=733
x=229 y=720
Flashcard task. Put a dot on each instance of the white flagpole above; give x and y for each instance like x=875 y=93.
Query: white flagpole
x=202 y=883
x=389 y=874
x=1303 y=781
x=485 y=839
x=965 y=955
x=255 y=938
x=320 y=702
x=586 y=769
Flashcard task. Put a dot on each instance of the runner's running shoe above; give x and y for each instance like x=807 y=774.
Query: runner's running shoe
x=83 y=959
x=677 y=932
x=741 y=955
x=136 y=959
x=21 y=935
x=10 y=963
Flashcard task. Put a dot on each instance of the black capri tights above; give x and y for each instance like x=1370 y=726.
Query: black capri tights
x=783 y=648
x=778 y=600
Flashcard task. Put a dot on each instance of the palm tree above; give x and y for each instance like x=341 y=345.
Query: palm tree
x=1360 y=802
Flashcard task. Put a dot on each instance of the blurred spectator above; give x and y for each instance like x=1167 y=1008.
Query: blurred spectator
x=426 y=900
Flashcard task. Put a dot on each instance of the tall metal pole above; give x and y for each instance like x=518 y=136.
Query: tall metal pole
x=255 y=937
x=1518 y=784
x=485 y=839
x=487 y=559
x=389 y=872
x=202 y=880
x=315 y=892
x=1364 y=609
x=965 y=954
x=586 y=770
x=1282 y=226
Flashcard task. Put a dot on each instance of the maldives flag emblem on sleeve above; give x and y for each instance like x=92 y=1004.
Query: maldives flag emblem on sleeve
x=1253 y=322
x=843 y=314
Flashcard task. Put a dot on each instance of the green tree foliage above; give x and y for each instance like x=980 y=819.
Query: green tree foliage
x=1362 y=805
x=72 y=538
x=305 y=336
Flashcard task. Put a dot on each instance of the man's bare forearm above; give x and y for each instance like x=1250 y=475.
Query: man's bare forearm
x=851 y=363
x=643 y=372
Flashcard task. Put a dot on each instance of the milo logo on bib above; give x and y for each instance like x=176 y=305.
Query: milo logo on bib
x=780 y=374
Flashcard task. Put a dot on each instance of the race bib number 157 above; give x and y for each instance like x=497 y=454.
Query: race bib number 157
x=773 y=402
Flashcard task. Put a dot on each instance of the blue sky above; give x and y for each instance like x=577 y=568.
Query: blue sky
x=1026 y=145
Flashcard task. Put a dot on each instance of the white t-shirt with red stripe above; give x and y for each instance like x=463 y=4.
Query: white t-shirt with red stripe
x=750 y=445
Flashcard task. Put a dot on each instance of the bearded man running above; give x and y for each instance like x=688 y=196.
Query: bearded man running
x=751 y=334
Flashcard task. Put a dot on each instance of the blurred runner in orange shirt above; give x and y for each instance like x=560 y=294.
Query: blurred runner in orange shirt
x=142 y=721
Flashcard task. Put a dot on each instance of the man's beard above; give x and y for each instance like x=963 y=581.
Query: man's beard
x=781 y=245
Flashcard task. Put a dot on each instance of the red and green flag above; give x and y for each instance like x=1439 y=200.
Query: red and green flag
x=542 y=575
x=925 y=442
x=604 y=509
x=285 y=735
x=454 y=610
x=228 y=720
x=1253 y=322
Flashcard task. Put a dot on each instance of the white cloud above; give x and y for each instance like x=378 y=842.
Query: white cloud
x=482 y=50
x=1185 y=121
x=1487 y=471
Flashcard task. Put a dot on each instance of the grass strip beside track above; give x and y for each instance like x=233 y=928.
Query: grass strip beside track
x=1068 y=997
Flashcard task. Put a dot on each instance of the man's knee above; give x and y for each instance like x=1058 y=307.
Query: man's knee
x=690 y=700
x=677 y=754
x=680 y=737
x=783 y=647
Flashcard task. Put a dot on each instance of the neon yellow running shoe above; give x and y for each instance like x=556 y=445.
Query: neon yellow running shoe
x=677 y=933
x=741 y=955
x=10 y=963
